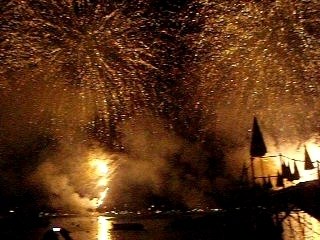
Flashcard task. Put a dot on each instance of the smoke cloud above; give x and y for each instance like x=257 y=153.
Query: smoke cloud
x=189 y=67
x=161 y=163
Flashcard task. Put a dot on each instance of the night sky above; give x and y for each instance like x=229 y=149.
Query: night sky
x=166 y=91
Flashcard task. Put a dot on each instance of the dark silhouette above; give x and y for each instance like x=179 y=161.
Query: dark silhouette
x=257 y=147
x=308 y=165
x=50 y=235
x=296 y=174
x=280 y=180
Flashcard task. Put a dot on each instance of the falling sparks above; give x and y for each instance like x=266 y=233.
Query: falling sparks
x=250 y=57
x=85 y=68
x=95 y=50
x=261 y=58
x=117 y=58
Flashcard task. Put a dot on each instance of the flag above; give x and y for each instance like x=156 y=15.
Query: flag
x=257 y=147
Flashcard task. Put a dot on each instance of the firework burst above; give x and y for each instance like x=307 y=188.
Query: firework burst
x=95 y=49
x=260 y=58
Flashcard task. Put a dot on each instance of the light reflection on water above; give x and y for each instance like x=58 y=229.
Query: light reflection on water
x=299 y=225
x=104 y=228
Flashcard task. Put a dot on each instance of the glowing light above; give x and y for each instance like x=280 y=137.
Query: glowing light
x=291 y=154
x=314 y=151
x=253 y=68
x=104 y=226
x=100 y=166
x=102 y=182
x=243 y=58
x=101 y=170
x=301 y=225
x=98 y=50
x=102 y=197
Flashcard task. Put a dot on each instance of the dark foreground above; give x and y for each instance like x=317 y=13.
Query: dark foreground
x=218 y=224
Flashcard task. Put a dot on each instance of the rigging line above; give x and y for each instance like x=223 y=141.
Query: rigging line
x=271 y=156
x=297 y=159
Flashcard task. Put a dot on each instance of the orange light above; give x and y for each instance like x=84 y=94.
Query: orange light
x=101 y=170
x=100 y=166
x=291 y=154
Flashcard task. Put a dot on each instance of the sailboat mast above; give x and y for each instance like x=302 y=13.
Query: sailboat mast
x=257 y=147
x=253 y=177
x=318 y=170
x=261 y=166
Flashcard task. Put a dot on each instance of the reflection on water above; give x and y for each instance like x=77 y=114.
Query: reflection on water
x=296 y=226
x=104 y=227
x=300 y=225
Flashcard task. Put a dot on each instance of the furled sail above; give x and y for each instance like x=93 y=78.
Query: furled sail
x=257 y=147
x=280 y=180
x=308 y=165
x=286 y=171
x=269 y=183
x=296 y=174
x=290 y=174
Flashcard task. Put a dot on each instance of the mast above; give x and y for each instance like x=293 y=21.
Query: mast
x=252 y=170
x=318 y=170
x=257 y=147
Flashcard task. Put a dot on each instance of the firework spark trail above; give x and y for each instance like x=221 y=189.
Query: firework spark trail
x=98 y=51
x=206 y=66
x=117 y=58
x=260 y=58
x=67 y=66
x=103 y=172
x=264 y=54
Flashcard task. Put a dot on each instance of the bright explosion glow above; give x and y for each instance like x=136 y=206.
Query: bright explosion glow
x=296 y=154
x=102 y=172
